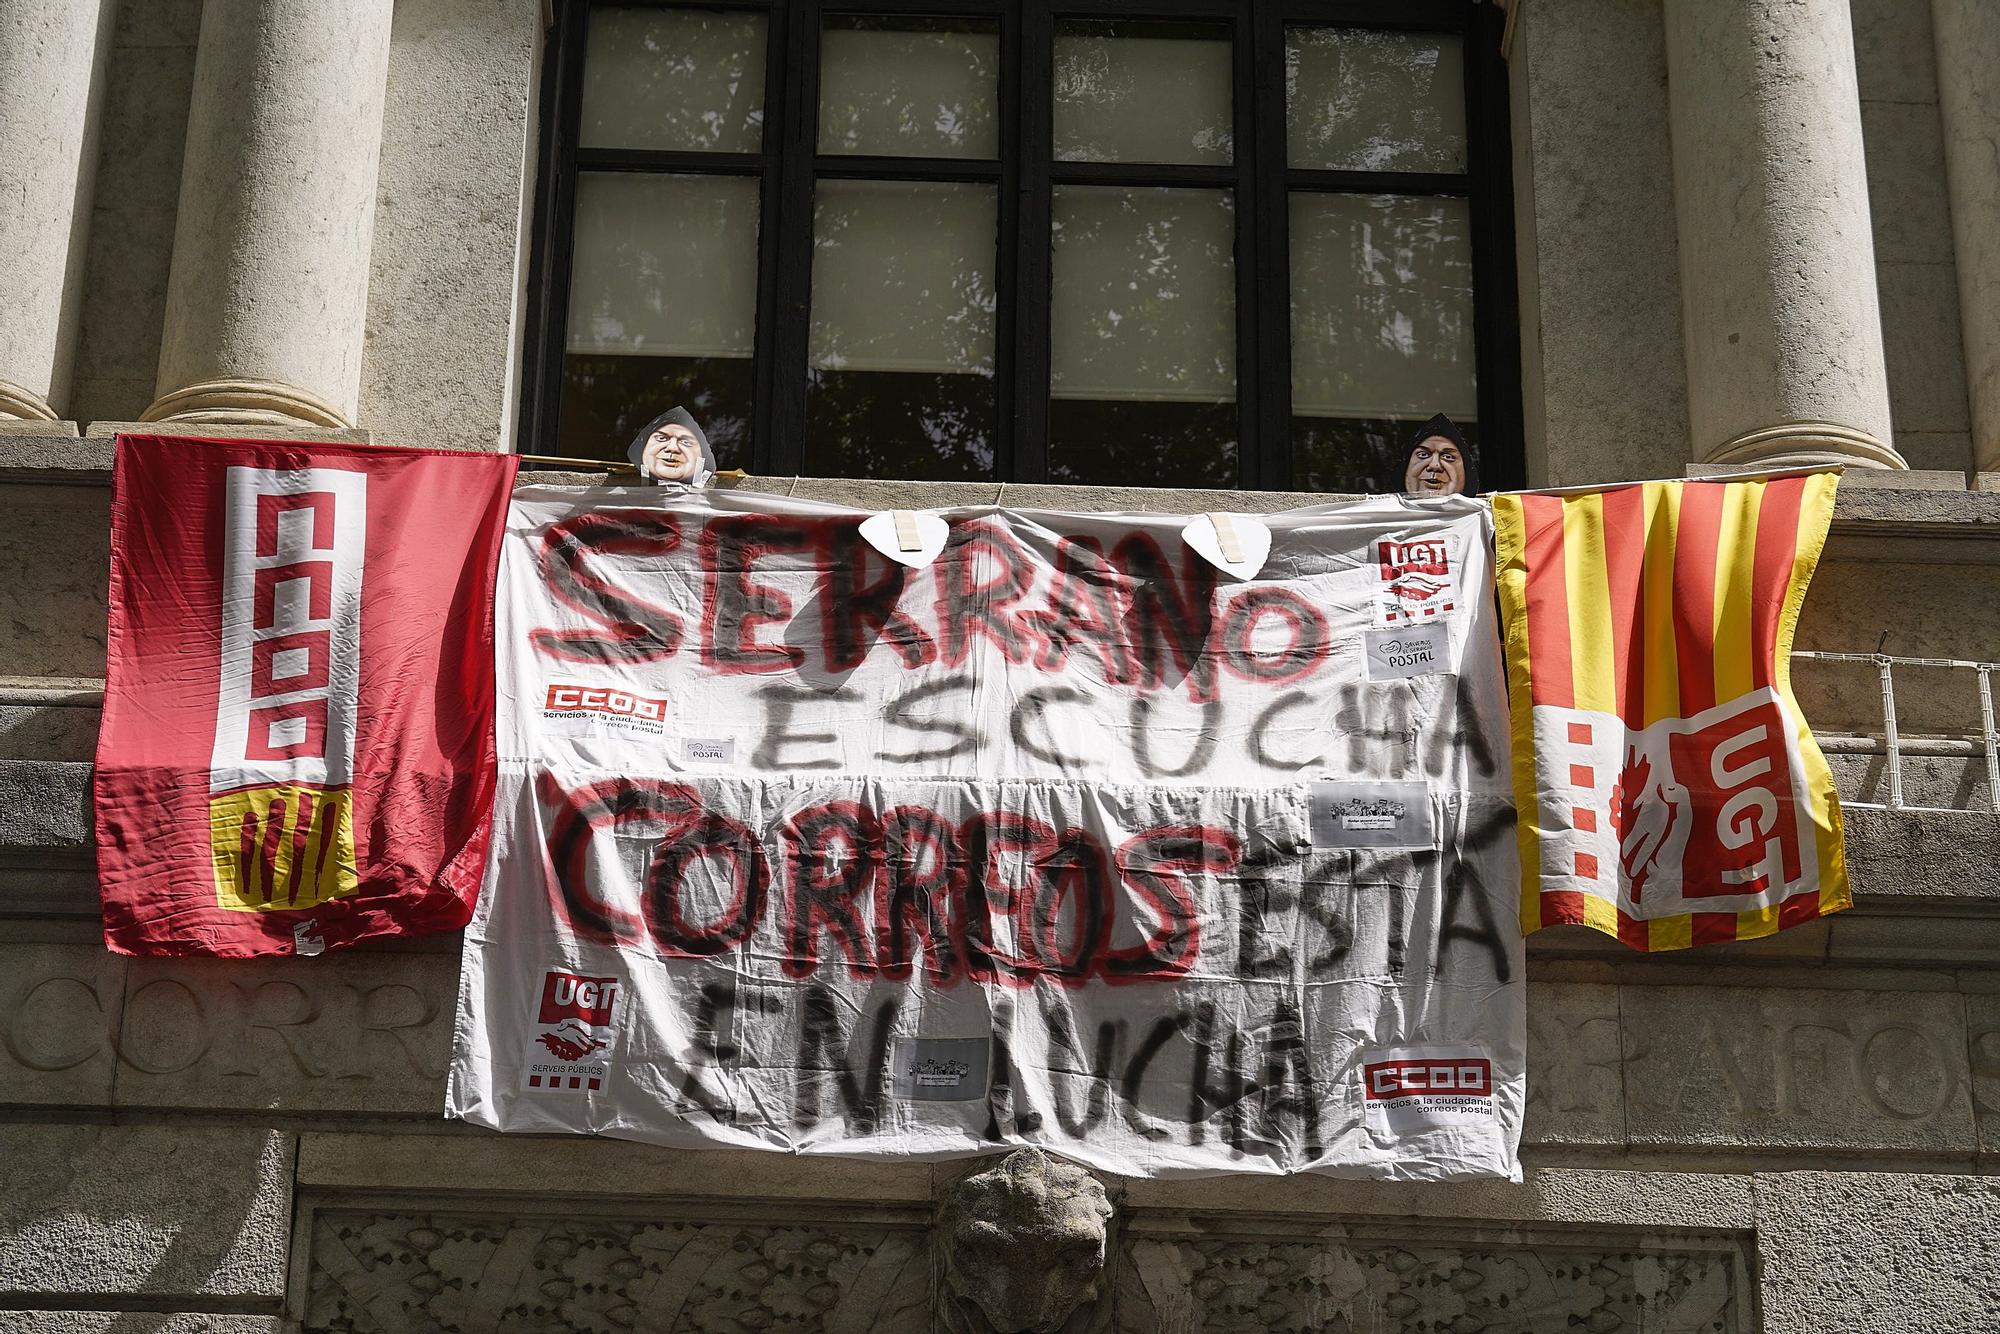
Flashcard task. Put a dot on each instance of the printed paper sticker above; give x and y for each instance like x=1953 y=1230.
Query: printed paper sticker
x=1372 y=815
x=941 y=1069
x=1411 y=1089
x=1420 y=650
x=573 y=1031
x=572 y=710
x=1418 y=584
x=708 y=750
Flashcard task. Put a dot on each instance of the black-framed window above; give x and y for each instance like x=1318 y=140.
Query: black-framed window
x=1185 y=242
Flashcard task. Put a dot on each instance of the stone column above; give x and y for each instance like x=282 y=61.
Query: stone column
x=268 y=300
x=52 y=56
x=1967 y=36
x=1783 y=327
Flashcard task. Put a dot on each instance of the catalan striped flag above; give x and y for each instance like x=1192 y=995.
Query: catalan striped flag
x=1669 y=789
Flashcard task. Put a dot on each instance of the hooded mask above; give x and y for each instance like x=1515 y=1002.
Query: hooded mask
x=636 y=451
x=1444 y=427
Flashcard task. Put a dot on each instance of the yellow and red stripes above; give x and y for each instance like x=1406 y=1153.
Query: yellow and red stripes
x=1648 y=602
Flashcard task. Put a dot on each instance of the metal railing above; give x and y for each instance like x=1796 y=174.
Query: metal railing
x=1885 y=665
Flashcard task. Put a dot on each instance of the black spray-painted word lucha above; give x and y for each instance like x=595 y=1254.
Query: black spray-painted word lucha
x=1147 y=621
x=875 y=888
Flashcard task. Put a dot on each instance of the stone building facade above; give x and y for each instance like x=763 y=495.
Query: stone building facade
x=1738 y=232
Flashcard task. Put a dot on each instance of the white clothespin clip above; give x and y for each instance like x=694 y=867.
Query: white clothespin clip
x=909 y=537
x=1236 y=544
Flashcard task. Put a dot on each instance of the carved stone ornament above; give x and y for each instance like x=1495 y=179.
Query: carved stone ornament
x=1024 y=1244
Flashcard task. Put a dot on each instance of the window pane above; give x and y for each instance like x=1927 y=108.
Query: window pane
x=1361 y=100
x=1362 y=455
x=901 y=346
x=1382 y=329
x=669 y=78
x=909 y=87
x=662 y=305
x=1142 y=92
x=1143 y=337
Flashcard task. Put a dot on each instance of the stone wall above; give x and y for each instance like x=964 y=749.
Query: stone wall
x=262 y=1142
x=1799 y=1134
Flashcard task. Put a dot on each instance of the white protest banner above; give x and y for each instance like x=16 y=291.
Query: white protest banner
x=1067 y=838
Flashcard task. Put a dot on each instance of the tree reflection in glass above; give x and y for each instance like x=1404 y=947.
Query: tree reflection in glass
x=909 y=87
x=663 y=310
x=1143 y=337
x=1358 y=99
x=1143 y=92
x=1382 y=330
x=674 y=79
x=900 y=354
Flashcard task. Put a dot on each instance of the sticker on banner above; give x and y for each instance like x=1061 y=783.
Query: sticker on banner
x=571 y=710
x=1372 y=815
x=306 y=940
x=1409 y=1089
x=708 y=750
x=1420 y=650
x=941 y=1069
x=573 y=1031
x=1418 y=583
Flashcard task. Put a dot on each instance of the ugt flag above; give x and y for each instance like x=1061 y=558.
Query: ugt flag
x=297 y=749
x=1670 y=792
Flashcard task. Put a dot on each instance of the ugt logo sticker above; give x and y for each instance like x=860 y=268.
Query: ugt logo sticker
x=1417 y=586
x=576 y=1024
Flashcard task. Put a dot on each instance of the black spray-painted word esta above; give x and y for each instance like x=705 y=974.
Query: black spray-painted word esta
x=1147 y=621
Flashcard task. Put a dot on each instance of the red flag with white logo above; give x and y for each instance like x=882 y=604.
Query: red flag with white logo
x=297 y=748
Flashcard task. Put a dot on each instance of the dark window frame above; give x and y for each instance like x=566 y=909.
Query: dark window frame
x=1261 y=180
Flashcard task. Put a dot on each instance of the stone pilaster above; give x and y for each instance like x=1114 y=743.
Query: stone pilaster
x=268 y=301
x=1782 y=323
x=51 y=82
x=1968 y=52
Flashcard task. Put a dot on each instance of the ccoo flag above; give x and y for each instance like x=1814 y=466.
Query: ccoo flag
x=1670 y=792
x=297 y=749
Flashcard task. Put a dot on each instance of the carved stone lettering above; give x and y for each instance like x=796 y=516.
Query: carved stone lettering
x=1982 y=1017
x=372 y=1035
x=58 y=1004
x=1575 y=1085
x=1795 y=1068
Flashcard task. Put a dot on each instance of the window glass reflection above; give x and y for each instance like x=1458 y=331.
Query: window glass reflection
x=674 y=79
x=912 y=87
x=1142 y=92
x=1382 y=329
x=663 y=307
x=1143 y=337
x=901 y=344
x=1357 y=99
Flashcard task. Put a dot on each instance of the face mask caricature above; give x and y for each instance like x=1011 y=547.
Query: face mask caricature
x=1439 y=462
x=672 y=451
